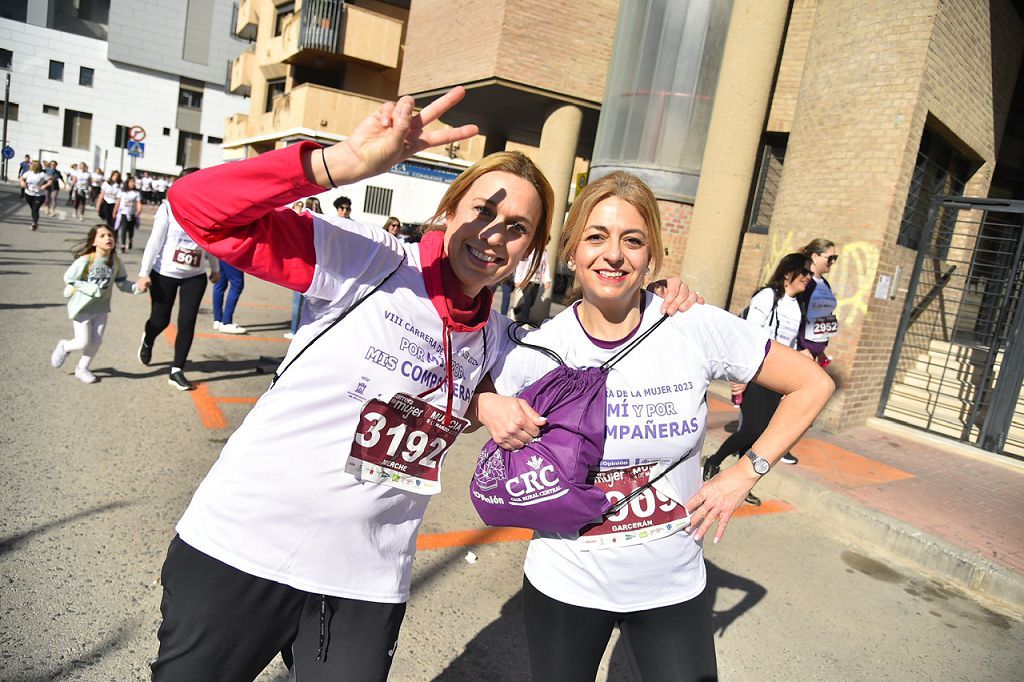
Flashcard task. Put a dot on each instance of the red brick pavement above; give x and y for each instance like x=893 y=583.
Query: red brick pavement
x=972 y=501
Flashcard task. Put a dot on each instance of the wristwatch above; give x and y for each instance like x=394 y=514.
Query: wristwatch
x=761 y=465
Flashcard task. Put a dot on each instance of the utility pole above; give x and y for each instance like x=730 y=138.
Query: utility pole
x=7 y=103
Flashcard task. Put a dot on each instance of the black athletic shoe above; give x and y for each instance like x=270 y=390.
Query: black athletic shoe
x=145 y=351
x=710 y=470
x=788 y=458
x=753 y=499
x=178 y=380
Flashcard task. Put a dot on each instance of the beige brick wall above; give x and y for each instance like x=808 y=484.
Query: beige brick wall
x=556 y=45
x=872 y=74
x=791 y=68
x=675 y=227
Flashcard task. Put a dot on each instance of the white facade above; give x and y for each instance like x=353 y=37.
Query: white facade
x=121 y=94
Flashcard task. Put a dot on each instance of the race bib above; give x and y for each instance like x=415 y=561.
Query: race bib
x=187 y=257
x=827 y=325
x=648 y=516
x=402 y=444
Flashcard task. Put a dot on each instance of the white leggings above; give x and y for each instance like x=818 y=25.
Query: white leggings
x=88 y=336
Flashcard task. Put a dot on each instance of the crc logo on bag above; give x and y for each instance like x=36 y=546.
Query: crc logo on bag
x=537 y=484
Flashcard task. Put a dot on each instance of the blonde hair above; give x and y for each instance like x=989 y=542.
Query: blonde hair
x=517 y=164
x=35 y=167
x=630 y=189
x=818 y=246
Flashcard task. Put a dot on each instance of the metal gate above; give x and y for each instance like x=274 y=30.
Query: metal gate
x=958 y=360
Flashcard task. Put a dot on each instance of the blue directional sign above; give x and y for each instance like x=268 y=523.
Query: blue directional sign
x=8 y=152
x=136 y=148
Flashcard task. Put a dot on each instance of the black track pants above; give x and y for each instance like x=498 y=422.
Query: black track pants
x=222 y=624
x=162 y=292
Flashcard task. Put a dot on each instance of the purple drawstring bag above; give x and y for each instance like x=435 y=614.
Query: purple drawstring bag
x=546 y=485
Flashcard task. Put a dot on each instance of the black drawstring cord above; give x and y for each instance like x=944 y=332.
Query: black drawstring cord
x=324 y=639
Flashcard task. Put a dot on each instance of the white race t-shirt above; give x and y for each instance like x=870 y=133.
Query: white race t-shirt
x=656 y=410
x=82 y=179
x=128 y=199
x=822 y=303
x=110 y=192
x=34 y=183
x=145 y=183
x=171 y=252
x=278 y=504
x=95 y=179
x=783 y=324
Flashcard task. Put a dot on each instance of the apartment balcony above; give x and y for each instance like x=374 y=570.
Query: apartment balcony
x=240 y=82
x=323 y=32
x=306 y=109
x=246 y=22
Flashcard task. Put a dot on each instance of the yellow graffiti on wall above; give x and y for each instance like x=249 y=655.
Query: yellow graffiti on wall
x=852 y=277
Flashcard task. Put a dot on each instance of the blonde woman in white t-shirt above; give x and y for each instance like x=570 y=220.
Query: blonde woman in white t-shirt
x=651 y=585
x=34 y=183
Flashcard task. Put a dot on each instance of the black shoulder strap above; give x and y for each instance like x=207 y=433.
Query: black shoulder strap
x=513 y=333
x=342 y=316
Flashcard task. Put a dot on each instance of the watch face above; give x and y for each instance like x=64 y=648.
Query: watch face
x=761 y=466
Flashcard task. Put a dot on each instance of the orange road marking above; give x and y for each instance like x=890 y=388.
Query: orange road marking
x=767 y=507
x=842 y=467
x=716 y=405
x=210 y=414
x=237 y=399
x=466 y=538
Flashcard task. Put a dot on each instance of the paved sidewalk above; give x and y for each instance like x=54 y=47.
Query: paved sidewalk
x=950 y=510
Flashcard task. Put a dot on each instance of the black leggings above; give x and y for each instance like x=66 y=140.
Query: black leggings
x=162 y=291
x=126 y=229
x=222 y=624
x=758 y=408
x=670 y=643
x=33 y=204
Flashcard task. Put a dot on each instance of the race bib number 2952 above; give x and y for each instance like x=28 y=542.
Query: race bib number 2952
x=402 y=443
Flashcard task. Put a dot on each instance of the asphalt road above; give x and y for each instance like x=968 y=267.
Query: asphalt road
x=95 y=477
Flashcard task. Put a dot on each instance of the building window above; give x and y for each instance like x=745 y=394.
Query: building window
x=275 y=88
x=210 y=139
x=85 y=75
x=12 y=110
x=167 y=132
x=377 y=200
x=283 y=12
x=77 y=129
x=938 y=171
x=50 y=109
x=56 y=71
x=769 y=175
x=190 y=99
x=6 y=59
x=189 y=148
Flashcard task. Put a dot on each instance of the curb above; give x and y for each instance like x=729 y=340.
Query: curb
x=955 y=565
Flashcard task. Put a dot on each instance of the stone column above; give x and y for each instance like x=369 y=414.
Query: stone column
x=556 y=157
x=741 y=104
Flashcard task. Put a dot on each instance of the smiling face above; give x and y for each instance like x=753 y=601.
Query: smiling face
x=820 y=262
x=612 y=255
x=491 y=229
x=798 y=281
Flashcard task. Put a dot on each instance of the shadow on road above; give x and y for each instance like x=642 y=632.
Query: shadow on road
x=109 y=644
x=498 y=652
x=11 y=542
x=29 y=306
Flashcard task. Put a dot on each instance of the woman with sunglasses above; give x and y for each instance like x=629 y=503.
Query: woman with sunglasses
x=776 y=309
x=818 y=302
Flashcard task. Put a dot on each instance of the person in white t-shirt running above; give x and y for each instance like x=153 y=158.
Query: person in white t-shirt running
x=105 y=200
x=34 y=183
x=633 y=569
x=774 y=308
x=80 y=180
x=127 y=212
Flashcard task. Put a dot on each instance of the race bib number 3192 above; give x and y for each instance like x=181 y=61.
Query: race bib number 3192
x=402 y=444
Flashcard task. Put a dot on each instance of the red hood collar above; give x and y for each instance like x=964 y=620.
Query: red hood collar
x=459 y=311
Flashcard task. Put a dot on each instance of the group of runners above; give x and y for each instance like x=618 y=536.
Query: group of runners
x=300 y=541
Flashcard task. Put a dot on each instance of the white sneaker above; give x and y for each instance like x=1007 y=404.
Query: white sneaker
x=232 y=328
x=59 y=355
x=85 y=376
x=216 y=326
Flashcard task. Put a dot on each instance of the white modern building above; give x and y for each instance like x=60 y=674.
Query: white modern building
x=84 y=72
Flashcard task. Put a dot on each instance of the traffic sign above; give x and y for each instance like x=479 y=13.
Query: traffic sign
x=136 y=148
x=137 y=133
x=8 y=152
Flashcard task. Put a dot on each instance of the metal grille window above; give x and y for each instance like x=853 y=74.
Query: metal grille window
x=939 y=171
x=321 y=23
x=377 y=200
x=768 y=178
x=77 y=129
